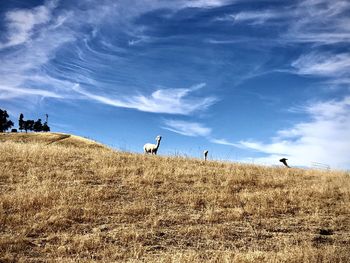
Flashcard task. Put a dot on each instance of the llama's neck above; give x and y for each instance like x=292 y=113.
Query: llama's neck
x=157 y=145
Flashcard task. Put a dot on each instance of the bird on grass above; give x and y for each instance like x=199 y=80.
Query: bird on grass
x=284 y=161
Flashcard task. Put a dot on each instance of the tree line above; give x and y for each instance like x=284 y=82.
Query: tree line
x=26 y=125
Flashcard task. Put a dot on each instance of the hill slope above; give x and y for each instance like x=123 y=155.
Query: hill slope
x=69 y=203
x=47 y=138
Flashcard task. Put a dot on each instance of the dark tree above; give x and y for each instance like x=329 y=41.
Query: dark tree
x=5 y=124
x=38 y=127
x=29 y=125
x=21 y=122
x=46 y=127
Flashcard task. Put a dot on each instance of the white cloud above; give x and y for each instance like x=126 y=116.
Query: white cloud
x=324 y=139
x=41 y=33
x=194 y=129
x=309 y=21
x=333 y=67
x=26 y=72
x=320 y=21
x=187 y=128
x=21 y=72
x=329 y=110
x=13 y=92
x=21 y=23
x=204 y=3
x=170 y=101
x=254 y=17
x=323 y=64
x=226 y=142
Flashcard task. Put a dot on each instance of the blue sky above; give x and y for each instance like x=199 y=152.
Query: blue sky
x=251 y=81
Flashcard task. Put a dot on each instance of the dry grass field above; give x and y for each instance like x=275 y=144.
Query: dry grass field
x=72 y=200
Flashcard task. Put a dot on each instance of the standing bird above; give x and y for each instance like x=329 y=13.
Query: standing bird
x=284 y=161
x=152 y=148
x=205 y=155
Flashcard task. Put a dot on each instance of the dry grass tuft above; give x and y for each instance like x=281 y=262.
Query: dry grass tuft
x=69 y=202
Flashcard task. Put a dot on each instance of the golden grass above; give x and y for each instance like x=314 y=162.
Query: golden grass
x=50 y=138
x=62 y=203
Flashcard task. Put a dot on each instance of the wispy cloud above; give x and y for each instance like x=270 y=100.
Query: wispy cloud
x=225 y=142
x=324 y=139
x=13 y=92
x=39 y=33
x=205 y=3
x=21 y=23
x=321 y=21
x=306 y=21
x=323 y=64
x=195 y=129
x=332 y=67
x=187 y=128
x=42 y=33
x=254 y=17
x=324 y=23
x=170 y=101
x=21 y=73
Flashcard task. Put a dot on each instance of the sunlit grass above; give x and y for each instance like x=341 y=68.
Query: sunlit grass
x=69 y=203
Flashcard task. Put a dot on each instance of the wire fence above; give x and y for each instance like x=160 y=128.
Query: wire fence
x=321 y=166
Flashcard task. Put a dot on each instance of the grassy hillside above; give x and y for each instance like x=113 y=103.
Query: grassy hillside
x=49 y=138
x=71 y=203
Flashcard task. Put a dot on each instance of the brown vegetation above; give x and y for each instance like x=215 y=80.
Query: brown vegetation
x=69 y=203
x=50 y=138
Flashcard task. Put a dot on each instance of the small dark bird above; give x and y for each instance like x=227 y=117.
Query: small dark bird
x=284 y=161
